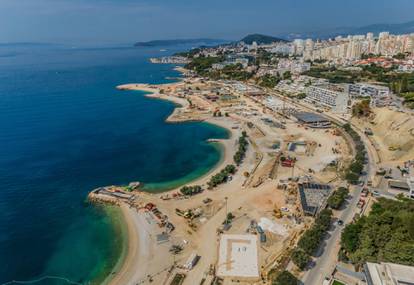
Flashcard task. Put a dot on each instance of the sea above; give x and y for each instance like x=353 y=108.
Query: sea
x=65 y=130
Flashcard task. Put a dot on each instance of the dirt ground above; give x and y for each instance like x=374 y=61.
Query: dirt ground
x=393 y=134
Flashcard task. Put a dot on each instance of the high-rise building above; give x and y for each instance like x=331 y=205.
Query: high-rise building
x=309 y=44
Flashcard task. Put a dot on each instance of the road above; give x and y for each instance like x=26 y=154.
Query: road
x=326 y=262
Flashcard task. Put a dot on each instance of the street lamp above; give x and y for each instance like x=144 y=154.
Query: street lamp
x=225 y=198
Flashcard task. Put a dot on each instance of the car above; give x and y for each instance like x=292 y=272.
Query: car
x=375 y=193
x=340 y=222
x=388 y=176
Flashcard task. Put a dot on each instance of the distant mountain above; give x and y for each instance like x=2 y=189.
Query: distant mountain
x=261 y=39
x=401 y=28
x=27 y=44
x=198 y=42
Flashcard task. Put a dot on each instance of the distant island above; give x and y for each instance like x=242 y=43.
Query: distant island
x=261 y=39
x=164 y=43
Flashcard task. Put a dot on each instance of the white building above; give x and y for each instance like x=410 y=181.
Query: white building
x=388 y=274
x=323 y=96
x=368 y=90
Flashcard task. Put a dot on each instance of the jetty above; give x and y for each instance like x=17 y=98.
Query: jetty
x=114 y=194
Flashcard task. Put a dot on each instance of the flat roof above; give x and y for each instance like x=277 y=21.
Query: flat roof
x=309 y=117
x=389 y=273
x=238 y=256
x=399 y=184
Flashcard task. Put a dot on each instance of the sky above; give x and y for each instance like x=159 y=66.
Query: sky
x=128 y=21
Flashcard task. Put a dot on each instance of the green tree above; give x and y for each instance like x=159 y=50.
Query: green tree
x=385 y=235
x=287 y=75
x=300 y=258
x=356 y=167
x=285 y=278
x=350 y=237
x=352 y=177
x=337 y=198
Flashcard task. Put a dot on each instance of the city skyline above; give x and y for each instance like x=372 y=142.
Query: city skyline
x=127 y=21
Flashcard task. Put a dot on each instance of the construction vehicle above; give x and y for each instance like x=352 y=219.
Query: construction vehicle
x=288 y=161
x=277 y=213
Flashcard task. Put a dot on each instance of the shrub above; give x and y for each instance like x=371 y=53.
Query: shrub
x=285 y=278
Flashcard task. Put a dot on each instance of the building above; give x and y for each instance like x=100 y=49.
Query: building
x=368 y=90
x=312 y=120
x=377 y=93
x=238 y=256
x=313 y=197
x=388 y=274
x=231 y=60
x=323 y=96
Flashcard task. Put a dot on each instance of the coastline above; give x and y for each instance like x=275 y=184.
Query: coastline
x=226 y=157
x=140 y=243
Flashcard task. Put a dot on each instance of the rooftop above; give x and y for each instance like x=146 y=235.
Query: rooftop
x=389 y=274
x=309 y=117
x=238 y=256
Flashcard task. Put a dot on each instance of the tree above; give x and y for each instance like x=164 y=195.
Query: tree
x=404 y=84
x=269 y=81
x=385 y=235
x=352 y=177
x=309 y=242
x=350 y=237
x=301 y=96
x=362 y=108
x=285 y=278
x=300 y=258
x=337 y=198
x=287 y=75
x=356 y=167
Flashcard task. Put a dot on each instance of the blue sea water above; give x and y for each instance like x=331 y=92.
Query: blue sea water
x=64 y=130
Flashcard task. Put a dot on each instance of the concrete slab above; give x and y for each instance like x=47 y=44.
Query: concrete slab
x=238 y=256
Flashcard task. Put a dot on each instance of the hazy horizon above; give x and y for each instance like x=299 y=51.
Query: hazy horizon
x=128 y=21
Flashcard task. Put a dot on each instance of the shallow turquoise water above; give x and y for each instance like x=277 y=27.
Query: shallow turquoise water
x=65 y=130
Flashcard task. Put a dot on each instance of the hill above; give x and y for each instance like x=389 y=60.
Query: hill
x=261 y=39
x=198 y=42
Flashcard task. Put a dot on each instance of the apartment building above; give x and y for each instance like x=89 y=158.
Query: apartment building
x=324 y=96
x=368 y=90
